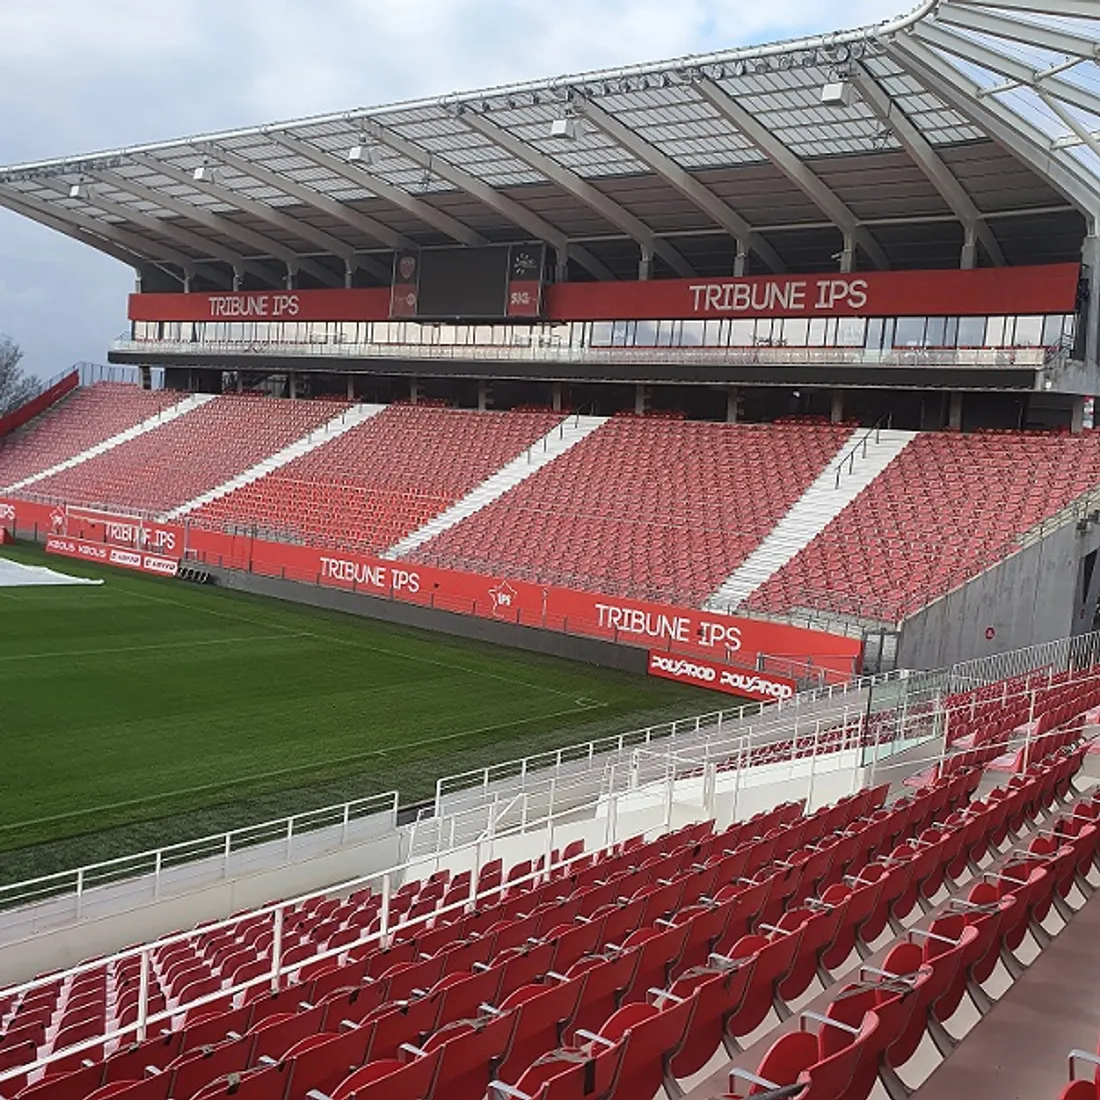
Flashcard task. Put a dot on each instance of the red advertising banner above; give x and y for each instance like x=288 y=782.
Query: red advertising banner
x=698 y=672
x=363 y=304
x=982 y=291
x=990 y=291
x=112 y=555
x=687 y=631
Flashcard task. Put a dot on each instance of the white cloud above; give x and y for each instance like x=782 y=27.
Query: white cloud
x=80 y=76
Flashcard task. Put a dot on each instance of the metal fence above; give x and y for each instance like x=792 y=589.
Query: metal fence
x=154 y=865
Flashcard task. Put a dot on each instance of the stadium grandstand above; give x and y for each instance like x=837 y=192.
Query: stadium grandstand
x=769 y=371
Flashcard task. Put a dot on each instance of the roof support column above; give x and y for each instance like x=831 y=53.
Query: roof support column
x=1090 y=260
x=848 y=254
x=645 y=264
x=969 y=257
x=289 y=281
x=561 y=265
x=187 y=282
x=741 y=259
x=238 y=278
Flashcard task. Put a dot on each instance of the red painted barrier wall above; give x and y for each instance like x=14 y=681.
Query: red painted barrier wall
x=39 y=404
x=633 y=622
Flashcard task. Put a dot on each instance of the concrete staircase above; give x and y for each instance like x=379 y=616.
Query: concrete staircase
x=541 y=453
x=193 y=401
x=832 y=491
x=344 y=422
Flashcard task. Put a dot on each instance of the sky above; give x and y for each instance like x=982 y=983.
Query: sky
x=80 y=76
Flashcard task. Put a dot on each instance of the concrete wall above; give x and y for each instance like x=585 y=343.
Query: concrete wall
x=26 y=952
x=593 y=651
x=1033 y=596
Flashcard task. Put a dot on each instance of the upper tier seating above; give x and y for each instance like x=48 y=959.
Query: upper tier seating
x=171 y=465
x=379 y=481
x=654 y=509
x=947 y=507
x=86 y=417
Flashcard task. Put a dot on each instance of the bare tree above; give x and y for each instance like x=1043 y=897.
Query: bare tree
x=15 y=387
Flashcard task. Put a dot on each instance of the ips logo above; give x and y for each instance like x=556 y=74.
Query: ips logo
x=58 y=521
x=503 y=596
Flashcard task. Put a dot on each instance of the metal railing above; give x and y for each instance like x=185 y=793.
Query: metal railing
x=860 y=446
x=539 y=768
x=156 y=862
x=652 y=771
x=1030 y=358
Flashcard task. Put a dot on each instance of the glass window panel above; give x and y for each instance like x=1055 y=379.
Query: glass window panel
x=691 y=333
x=601 y=334
x=909 y=332
x=851 y=332
x=971 y=332
x=816 y=336
x=995 y=332
x=647 y=334
x=1029 y=332
x=716 y=333
x=935 y=332
x=742 y=332
x=795 y=332
x=951 y=332
x=875 y=333
x=622 y=334
x=767 y=332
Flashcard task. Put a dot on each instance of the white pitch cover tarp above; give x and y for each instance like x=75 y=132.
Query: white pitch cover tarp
x=13 y=574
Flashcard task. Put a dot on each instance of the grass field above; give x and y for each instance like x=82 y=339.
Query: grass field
x=145 y=711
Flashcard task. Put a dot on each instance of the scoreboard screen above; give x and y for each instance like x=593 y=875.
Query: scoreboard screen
x=474 y=284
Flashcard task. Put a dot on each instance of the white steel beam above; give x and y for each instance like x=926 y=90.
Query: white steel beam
x=217 y=223
x=700 y=196
x=187 y=237
x=1018 y=30
x=354 y=173
x=1080 y=9
x=582 y=190
x=54 y=221
x=309 y=196
x=288 y=224
x=1016 y=71
x=515 y=212
x=153 y=251
x=928 y=160
x=1012 y=130
x=822 y=196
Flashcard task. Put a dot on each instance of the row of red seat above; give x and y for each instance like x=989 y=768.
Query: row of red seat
x=948 y=506
x=875 y=1024
x=568 y=947
x=86 y=417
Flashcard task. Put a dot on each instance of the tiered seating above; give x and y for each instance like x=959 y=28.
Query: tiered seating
x=86 y=417
x=669 y=948
x=375 y=484
x=539 y=951
x=654 y=509
x=946 y=508
x=204 y=448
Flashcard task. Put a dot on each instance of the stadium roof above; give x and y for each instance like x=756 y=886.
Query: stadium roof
x=962 y=129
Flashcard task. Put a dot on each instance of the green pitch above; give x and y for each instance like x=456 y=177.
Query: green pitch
x=145 y=711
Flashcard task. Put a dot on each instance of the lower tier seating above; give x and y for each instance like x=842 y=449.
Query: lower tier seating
x=170 y=465
x=947 y=507
x=373 y=485
x=88 y=416
x=649 y=957
x=653 y=509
